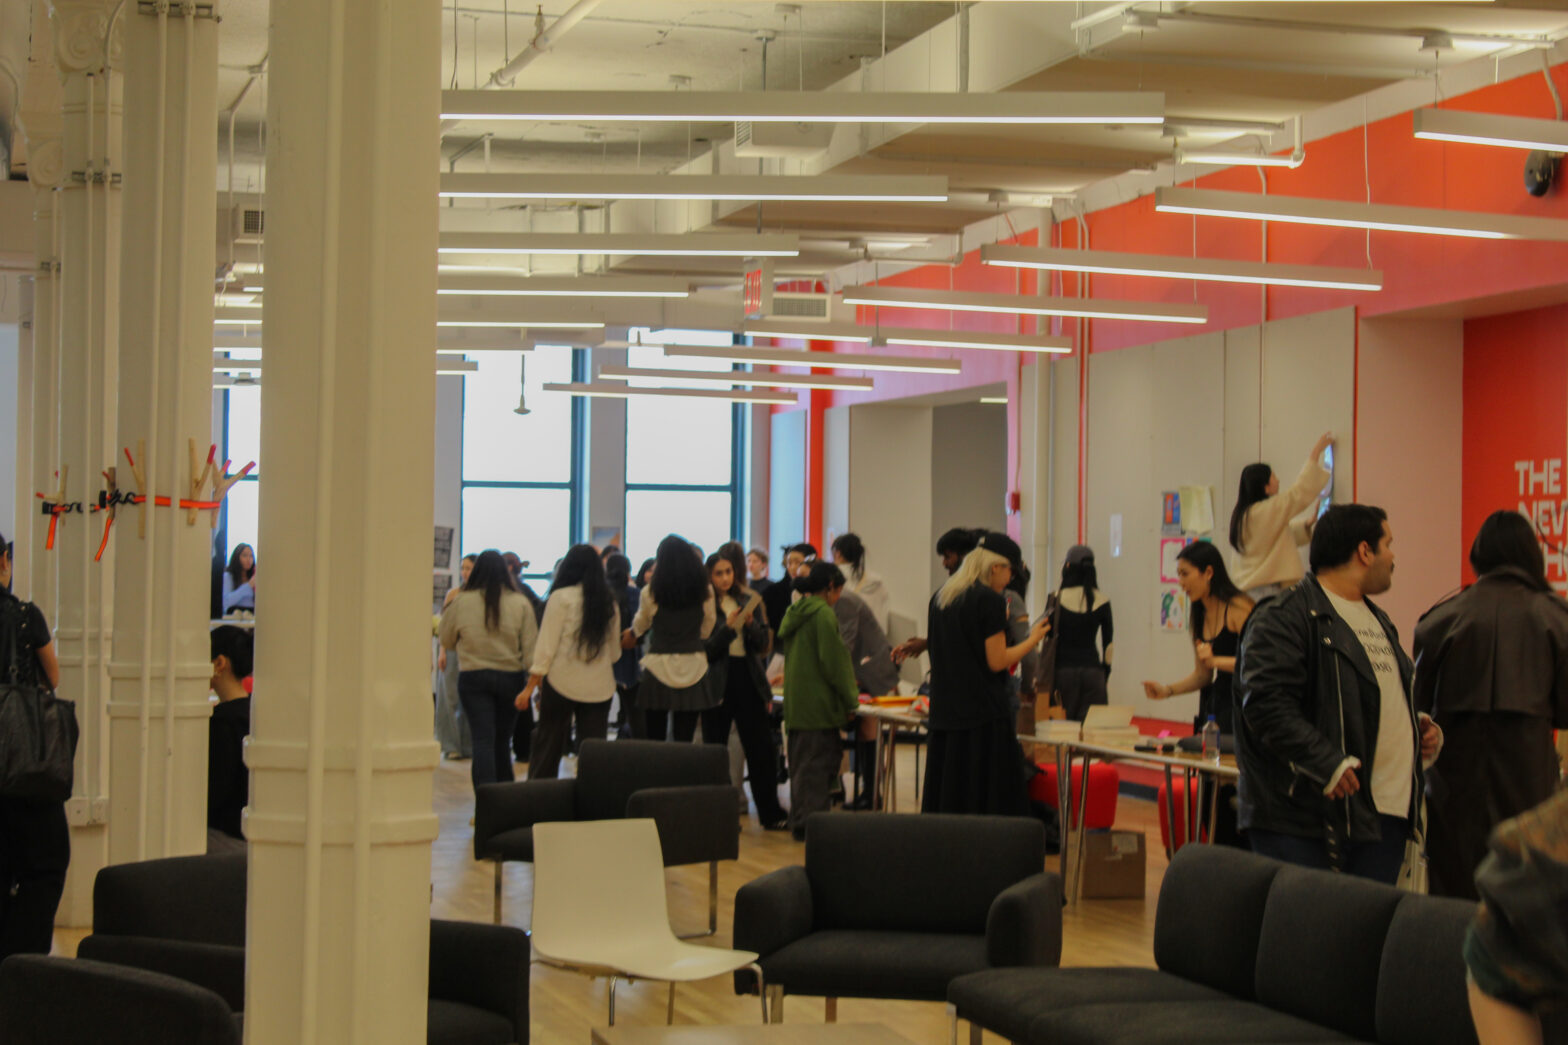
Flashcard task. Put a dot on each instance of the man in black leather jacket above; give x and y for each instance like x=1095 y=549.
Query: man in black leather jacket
x=1329 y=746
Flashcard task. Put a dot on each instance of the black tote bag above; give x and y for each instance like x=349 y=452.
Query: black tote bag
x=38 y=730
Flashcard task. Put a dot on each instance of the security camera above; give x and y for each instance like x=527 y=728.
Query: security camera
x=1540 y=170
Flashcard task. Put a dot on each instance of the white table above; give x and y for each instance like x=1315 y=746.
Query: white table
x=888 y=721
x=1193 y=769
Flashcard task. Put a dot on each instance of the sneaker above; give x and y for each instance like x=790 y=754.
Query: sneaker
x=781 y=824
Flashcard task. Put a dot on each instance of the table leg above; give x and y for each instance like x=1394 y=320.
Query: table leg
x=1214 y=809
x=1191 y=803
x=1081 y=829
x=890 y=802
x=878 y=783
x=1064 y=765
x=1170 y=814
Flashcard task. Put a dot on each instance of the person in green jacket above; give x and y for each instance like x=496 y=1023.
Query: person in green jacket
x=820 y=694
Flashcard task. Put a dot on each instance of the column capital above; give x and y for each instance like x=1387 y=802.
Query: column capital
x=40 y=114
x=83 y=39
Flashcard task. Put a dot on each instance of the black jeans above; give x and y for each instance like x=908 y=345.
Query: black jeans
x=657 y=724
x=34 y=851
x=1379 y=861
x=488 y=699
x=743 y=706
x=556 y=714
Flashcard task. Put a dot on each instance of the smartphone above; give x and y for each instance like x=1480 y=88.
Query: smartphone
x=1326 y=498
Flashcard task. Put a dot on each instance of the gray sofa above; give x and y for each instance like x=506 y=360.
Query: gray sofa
x=1249 y=950
x=891 y=906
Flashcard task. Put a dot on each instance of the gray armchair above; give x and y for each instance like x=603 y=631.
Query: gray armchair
x=185 y=917
x=891 y=906
x=70 y=999
x=684 y=788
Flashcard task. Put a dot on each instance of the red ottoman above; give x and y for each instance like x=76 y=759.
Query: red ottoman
x=1104 y=781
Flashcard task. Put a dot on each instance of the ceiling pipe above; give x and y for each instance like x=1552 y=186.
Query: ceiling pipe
x=543 y=40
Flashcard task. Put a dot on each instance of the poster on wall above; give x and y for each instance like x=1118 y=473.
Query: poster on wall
x=1197 y=509
x=1170 y=514
x=441 y=583
x=444 y=536
x=1170 y=547
x=1173 y=610
x=602 y=537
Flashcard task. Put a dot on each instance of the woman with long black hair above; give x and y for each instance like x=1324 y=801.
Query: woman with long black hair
x=1083 y=615
x=574 y=660
x=1219 y=609
x=677 y=614
x=735 y=675
x=492 y=627
x=618 y=574
x=239 y=580
x=1492 y=669
x=1264 y=528
x=849 y=554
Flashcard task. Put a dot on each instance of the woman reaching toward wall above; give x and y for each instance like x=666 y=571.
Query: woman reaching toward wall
x=1264 y=528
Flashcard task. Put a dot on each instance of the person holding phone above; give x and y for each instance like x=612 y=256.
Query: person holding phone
x=1266 y=529
x=739 y=641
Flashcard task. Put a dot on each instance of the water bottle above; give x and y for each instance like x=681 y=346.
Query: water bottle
x=1211 y=741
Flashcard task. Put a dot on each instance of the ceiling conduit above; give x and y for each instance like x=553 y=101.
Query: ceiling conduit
x=543 y=40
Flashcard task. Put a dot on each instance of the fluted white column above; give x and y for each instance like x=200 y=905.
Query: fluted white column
x=86 y=44
x=158 y=708
x=341 y=756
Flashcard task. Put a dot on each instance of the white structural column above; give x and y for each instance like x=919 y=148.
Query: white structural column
x=37 y=453
x=158 y=708
x=88 y=247
x=341 y=754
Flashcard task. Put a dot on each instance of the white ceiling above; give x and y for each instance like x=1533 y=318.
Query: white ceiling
x=1215 y=62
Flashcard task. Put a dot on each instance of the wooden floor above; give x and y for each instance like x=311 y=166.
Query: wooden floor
x=564 y=1006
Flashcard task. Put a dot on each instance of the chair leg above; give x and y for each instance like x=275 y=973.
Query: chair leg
x=669 y=1014
x=976 y=1035
x=762 y=990
x=952 y=1024
x=612 y=1000
x=713 y=897
x=829 y=1010
x=499 y=880
x=775 y=1004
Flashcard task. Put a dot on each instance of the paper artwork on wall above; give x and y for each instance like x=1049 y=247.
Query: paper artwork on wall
x=1197 y=509
x=1170 y=514
x=1173 y=610
x=443 y=547
x=1170 y=547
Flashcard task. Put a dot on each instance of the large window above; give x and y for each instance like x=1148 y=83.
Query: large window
x=520 y=472
x=682 y=455
x=241 y=444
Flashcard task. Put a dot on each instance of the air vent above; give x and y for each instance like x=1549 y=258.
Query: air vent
x=799 y=306
x=247 y=224
x=797 y=141
x=252 y=222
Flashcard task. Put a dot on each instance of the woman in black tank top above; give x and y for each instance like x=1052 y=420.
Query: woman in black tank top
x=1219 y=609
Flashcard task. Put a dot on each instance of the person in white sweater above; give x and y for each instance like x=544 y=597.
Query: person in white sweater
x=573 y=668
x=1265 y=529
x=850 y=554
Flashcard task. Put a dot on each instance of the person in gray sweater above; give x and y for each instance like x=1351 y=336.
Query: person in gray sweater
x=875 y=672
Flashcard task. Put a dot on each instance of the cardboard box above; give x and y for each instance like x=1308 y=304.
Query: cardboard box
x=1114 y=865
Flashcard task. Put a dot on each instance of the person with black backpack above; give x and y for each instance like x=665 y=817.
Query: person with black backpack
x=35 y=843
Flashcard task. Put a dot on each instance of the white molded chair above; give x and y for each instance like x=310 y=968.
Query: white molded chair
x=600 y=909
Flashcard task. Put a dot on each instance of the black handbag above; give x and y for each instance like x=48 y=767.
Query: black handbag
x=38 y=730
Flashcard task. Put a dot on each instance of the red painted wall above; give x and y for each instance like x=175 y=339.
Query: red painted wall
x=1516 y=425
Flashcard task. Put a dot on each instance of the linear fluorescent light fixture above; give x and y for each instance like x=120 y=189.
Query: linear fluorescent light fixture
x=819 y=360
x=966 y=339
x=1111 y=263
x=743 y=187
x=516 y=324
x=564 y=287
x=1232 y=158
x=675 y=245
x=1025 y=305
x=618 y=390
x=1339 y=214
x=806 y=331
x=994 y=400
x=615 y=372
x=1483 y=128
x=1012 y=107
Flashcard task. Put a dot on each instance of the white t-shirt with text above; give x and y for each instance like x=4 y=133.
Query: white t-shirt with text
x=1393 y=763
